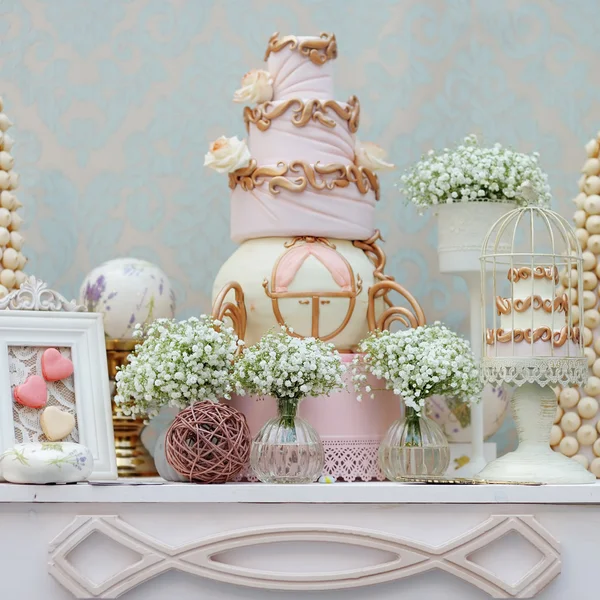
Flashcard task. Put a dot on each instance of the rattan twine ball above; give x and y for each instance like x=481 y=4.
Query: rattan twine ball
x=208 y=443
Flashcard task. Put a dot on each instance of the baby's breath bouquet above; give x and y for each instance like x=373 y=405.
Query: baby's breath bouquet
x=287 y=449
x=470 y=173
x=418 y=363
x=176 y=364
x=288 y=368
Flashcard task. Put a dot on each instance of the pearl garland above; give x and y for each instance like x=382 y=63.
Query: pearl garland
x=11 y=242
x=576 y=429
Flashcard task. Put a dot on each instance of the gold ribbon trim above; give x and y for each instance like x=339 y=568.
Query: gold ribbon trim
x=302 y=174
x=318 y=51
x=505 y=305
x=516 y=274
x=311 y=110
x=544 y=334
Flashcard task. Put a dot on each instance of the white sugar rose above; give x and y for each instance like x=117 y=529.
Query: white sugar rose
x=257 y=86
x=372 y=157
x=226 y=155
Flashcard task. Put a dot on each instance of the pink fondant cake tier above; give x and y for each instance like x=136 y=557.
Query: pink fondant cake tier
x=337 y=415
x=343 y=213
x=295 y=76
x=535 y=350
x=351 y=430
x=312 y=142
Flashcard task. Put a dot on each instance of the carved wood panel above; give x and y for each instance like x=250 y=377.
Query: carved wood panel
x=408 y=557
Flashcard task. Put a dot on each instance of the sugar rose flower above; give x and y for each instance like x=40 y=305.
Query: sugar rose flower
x=227 y=155
x=257 y=86
x=372 y=157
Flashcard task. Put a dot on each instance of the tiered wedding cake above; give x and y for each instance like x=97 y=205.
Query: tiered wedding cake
x=302 y=208
x=303 y=201
x=533 y=319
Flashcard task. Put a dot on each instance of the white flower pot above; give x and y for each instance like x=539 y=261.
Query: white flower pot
x=462 y=227
x=164 y=469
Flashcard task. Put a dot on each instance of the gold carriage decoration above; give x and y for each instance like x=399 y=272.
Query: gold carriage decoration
x=350 y=288
x=410 y=318
x=325 y=251
x=235 y=311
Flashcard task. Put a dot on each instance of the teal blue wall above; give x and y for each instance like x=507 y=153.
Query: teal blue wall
x=115 y=101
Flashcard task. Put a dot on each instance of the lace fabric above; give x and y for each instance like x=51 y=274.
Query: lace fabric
x=23 y=362
x=347 y=459
x=544 y=371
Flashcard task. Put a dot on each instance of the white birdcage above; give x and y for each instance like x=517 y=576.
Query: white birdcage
x=531 y=271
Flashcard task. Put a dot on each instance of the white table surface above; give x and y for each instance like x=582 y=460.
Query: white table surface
x=152 y=540
x=156 y=490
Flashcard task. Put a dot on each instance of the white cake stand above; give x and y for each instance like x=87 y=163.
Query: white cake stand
x=533 y=244
x=533 y=407
x=462 y=228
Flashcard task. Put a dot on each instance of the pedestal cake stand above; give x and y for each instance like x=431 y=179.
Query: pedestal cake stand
x=533 y=342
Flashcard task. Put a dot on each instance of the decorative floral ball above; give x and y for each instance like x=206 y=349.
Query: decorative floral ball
x=454 y=416
x=208 y=443
x=127 y=291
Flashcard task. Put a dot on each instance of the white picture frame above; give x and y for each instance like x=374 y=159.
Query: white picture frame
x=83 y=334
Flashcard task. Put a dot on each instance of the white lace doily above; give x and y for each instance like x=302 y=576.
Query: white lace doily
x=24 y=361
x=544 y=371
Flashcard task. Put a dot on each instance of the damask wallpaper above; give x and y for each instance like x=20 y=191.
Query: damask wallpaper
x=115 y=101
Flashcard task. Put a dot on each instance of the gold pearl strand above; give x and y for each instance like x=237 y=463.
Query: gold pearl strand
x=11 y=241
x=576 y=430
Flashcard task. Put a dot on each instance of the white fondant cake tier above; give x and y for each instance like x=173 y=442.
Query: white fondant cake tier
x=532 y=319
x=312 y=142
x=535 y=350
x=343 y=213
x=296 y=76
x=546 y=288
x=532 y=312
x=302 y=281
x=533 y=303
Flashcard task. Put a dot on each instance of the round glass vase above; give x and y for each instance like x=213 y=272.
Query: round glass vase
x=414 y=447
x=287 y=449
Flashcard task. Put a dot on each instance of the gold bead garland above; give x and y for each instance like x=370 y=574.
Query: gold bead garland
x=577 y=423
x=11 y=241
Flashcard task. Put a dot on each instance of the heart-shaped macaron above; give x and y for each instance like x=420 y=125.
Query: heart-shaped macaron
x=56 y=423
x=55 y=366
x=32 y=393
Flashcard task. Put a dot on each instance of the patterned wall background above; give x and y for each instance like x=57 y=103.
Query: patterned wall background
x=115 y=101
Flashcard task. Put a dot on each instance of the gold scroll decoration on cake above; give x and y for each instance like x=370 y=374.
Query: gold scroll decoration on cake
x=505 y=305
x=522 y=273
x=384 y=285
x=304 y=112
x=318 y=51
x=235 y=311
x=301 y=175
x=348 y=285
x=375 y=254
x=543 y=334
x=409 y=318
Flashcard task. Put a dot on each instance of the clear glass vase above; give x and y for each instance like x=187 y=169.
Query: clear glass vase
x=287 y=449
x=414 y=446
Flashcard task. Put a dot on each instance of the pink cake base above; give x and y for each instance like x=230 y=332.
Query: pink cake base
x=351 y=430
x=538 y=349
